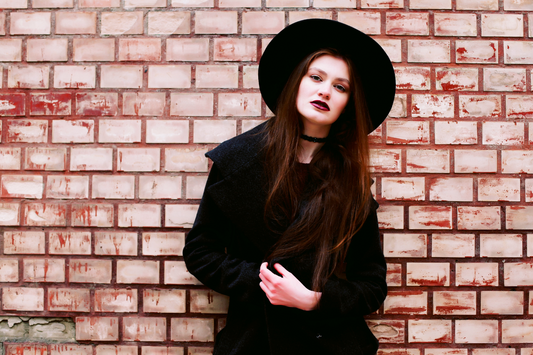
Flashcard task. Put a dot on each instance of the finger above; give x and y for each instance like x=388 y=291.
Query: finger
x=269 y=275
x=284 y=272
x=265 y=290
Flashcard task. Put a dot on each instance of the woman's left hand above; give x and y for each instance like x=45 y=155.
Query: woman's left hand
x=287 y=290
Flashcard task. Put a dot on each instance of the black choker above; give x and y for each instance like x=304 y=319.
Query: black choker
x=314 y=139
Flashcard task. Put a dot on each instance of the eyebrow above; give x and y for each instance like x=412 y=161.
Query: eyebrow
x=324 y=73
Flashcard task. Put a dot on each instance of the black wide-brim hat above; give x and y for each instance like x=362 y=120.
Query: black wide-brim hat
x=297 y=41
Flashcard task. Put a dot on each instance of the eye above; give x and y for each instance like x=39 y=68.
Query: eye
x=315 y=77
x=340 y=88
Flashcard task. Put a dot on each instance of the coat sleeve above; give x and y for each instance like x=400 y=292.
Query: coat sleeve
x=206 y=257
x=365 y=288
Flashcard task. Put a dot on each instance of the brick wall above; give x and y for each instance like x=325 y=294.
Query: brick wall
x=108 y=106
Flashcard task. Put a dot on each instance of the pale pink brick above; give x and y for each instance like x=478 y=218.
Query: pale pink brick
x=239 y=104
x=92 y=215
x=476 y=274
x=23 y=242
x=26 y=131
x=144 y=329
x=405 y=245
x=44 y=158
x=453 y=245
x=394 y=274
x=30 y=349
x=479 y=217
x=44 y=214
x=22 y=186
x=192 y=329
x=235 y=49
x=119 y=131
x=138 y=159
x=143 y=104
x=219 y=22
x=519 y=106
x=389 y=217
x=115 y=300
x=249 y=77
x=30 y=23
x=93 y=49
x=237 y=3
x=86 y=159
x=516 y=161
x=97 y=328
x=504 y=79
x=393 y=48
x=99 y=3
x=428 y=51
x=475 y=161
x=428 y=161
x=518 y=52
x=387 y=331
x=78 y=23
x=3 y=21
x=367 y=22
x=9 y=214
x=122 y=23
x=187 y=49
x=164 y=301
x=482 y=52
x=498 y=189
x=477 y=4
x=396 y=351
x=69 y=300
x=22 y=299
x=431 y=4
x=429 y=331
x=90 y=271
x=169 y=23
x=287 y=3
x=502 y=302
x=208 y=301
x=137 y=272
x=214 y=131
x=385 y=160
x=115 y=243
x=177 y=159
x=28 y=77
x=160 y=187
x=144 y=3
x=479 y=106
x=74 y=77
x=403 y=188
x=97 y=104
x=72 y=131
x=453 y=24
x=10 y=50
x=52 y=4
x=455 y=132
x=413 y=78
x=10 y=158
x=43 y=270
x=12 y=104
x=167 y=131
x=399 y=106
x=451 y=189
x=476 y=331
x=454 y=303
x=50 y=104
x=9 y=270
x=350 y=4
x=383 y=4
x=263 y=22
x=180 y=216
x=502 y=25
x=121 y=76
x=407 y=132
x=428 y=274
x=430 y=217
x=517 y=331
x=14 y=4
x=529 y=190
x=456 y=79
x=139 y=215
x=163 y=243
x=217 y=76
x=176 y=274
x=69 y=242
x=195 y=186
x=169 y=76
x=247 y=124
x=191 y=104
x=167 y=350
x=414 y=24
x=113 y=187
x=519 y=217
x=517 y=5
x=431 y=105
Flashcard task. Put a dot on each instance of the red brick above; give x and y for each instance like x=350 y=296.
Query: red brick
x=90 y=271
x=9 y=270
x=518 y=217
x=478 y=331
x=262 y=22
x=406 y=302
x=12 y=104
x=453 y=245
x=30 y=23
x=498 y=189
x=69 y=300
x=50 y=104
x=476 y=274
x=475 y=161
x=22 y=186
x=74 y=77
x=115 y=300
x=185 y=160
x=479 y=106
x=457 y=79
x=192 y=329
x=11 y=50
x=73 y=131
x=517 y=331
x=428 y=161
x=87 y=159
x=119 y=131
x=429 y=331
x=502 y=25
x=169 y=76
x=168 y=23
x=403 y=188
x=385 y=160
x=45 y=4
x=69 y=242
x=438 y=106
x=67 y=187
x=99 y=3
x=240 y=104
x=97 y=104
x=92 y=215
x=187 y=49
x=191 y=104
x=208 y=301
x=449 y=24
x=167 y=131
x=396 y=351
x=70 y=349
x=383 y=4
x=235 y=49
x=414 y=24
x=428 y=51
x=504 y=79
x=389 y=216
x=482 y=52
x=28 y=77
x=29 y=349
x=27 y=131
x=367 y=22
x=454 y=303
x=176 y=274
x=518 y=52
x=138 y=159
x=93 y=49
x=163 y=243
x=22 y=299
x=413 y=78
x=502 y=302
x=23 y=242
x=477 y=4
x=180 y=216
x=143 y=104
x=529 y=190
x=387 y=331
x=519 y=106
x=78 y=23
x=115 y=243
x=122 y=23
x=137 y=272
x=164 y=301
x=214 y=131
x=451 y=189
x=428 y=274
x=117 y=350
x=394 y=274
x=9 y=214
x=44 y=214
x=483 y=217
x=144 y=329
x=97 y=328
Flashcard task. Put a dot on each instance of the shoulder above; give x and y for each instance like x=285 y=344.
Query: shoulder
x=239 y=151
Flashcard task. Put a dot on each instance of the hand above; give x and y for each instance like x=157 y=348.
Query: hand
x=287 y=290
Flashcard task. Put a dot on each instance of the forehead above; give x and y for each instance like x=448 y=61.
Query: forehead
x=331 y=65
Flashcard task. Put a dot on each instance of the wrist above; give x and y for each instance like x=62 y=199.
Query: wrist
x=313 y=298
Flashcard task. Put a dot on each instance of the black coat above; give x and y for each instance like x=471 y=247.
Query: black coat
x=227 y=244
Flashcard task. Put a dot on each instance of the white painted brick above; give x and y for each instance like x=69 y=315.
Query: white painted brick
x=185 y=159
x=167 y=131
x=119 y=131
x=138 y=159
x=159 y=187
x=214 y=131
x=180 y=216
x=85 y=159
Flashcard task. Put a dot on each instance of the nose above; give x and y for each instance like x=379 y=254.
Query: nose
x=324 y=92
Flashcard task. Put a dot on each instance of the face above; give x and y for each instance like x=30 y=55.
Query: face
x=323 y=94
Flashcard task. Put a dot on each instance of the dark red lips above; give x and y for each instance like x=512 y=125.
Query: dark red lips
x=321 y=105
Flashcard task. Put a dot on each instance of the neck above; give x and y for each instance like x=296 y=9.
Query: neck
x=307 y=150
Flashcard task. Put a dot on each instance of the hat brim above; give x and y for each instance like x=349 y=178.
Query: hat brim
x=290 y=46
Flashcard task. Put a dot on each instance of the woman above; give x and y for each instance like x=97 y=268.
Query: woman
x=287 y=226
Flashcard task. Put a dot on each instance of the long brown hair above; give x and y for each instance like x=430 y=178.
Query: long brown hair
x=339 y=201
